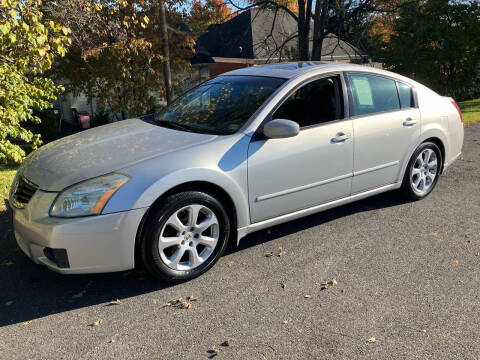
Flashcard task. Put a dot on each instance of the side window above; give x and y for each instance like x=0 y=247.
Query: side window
x=373 y=94
x=317 y=102
x=406 y=95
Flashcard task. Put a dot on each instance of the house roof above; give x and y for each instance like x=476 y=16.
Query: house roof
x=263 y=36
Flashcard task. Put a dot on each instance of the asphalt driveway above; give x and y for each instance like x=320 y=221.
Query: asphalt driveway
x=407 y=273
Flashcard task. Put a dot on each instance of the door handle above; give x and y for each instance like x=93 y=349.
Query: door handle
x=409 y=122
x=340 y=137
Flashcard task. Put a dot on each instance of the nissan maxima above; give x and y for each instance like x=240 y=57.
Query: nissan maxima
x=241 y=152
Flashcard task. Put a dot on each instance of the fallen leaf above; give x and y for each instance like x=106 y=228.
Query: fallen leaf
x=79 y=295
x=285 y=321
x=25 y=323
x=213 y=351
x=283 y=285
x=307 y=296
x=435 y=234
x=112 y=341
x=96 y=323
x=371 y=340
x=227 y=342
x=7 y=263
x=8 y=303
x=328 y=284
x=281 y=252
x=455 y=262
x=155 y=302
x=115 y=302
x=268 y=254
x=192 y=298
x=228 y=264
x=179 y=303
x=477 y=254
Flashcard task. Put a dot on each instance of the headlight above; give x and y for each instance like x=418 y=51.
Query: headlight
x=88 y=197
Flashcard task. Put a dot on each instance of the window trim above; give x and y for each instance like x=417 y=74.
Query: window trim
x=350 y=94
x=344 y=98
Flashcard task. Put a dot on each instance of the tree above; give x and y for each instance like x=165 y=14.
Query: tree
x=328 y=17
x=118 y=53
x=442 y=50
x=203 y=14
x=28 y=46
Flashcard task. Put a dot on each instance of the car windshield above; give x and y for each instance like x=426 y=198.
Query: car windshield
x=220 y=106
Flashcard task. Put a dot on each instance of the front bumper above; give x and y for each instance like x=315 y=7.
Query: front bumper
x=93 y=244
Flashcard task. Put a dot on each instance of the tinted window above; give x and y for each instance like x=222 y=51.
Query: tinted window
x=406 y=96
x=220 y=106
x=317 y=102
x=373 y=94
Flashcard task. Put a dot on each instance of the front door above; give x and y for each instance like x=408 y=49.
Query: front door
x=314 y=167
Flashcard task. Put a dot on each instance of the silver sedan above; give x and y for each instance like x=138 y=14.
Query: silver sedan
x=241 y=152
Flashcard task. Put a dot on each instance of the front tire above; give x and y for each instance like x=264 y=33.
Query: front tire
x=422 y=172
x=185 y=236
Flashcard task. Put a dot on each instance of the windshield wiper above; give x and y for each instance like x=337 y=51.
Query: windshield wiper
x=173 y=125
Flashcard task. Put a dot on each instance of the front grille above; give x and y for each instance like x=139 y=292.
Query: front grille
x=23 y=191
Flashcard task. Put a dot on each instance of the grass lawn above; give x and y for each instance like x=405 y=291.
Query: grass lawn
x=470 y=111
x=6 y=177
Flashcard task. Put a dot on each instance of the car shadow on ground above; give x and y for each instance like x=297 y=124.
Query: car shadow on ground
x=31 y=291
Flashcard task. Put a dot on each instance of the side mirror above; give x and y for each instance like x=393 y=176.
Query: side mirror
x=280 y=128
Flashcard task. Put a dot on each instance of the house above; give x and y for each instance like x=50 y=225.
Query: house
x=258 y=36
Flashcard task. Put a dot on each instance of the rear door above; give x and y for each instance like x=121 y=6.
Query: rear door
x=386 y=123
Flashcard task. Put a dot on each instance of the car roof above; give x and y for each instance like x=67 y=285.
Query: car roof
x=293 y=69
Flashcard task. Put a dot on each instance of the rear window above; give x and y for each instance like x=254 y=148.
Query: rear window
x=373 y=94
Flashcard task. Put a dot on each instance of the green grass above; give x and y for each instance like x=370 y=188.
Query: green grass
x=470 y=111
x=6 y=177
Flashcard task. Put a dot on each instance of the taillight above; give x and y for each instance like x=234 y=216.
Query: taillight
x=458 y=109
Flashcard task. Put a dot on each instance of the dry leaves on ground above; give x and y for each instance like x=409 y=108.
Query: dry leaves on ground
x=285 y=321
x=371 y=340
x=268 y=254
x=180 y=303
x=96 y=323
x=328 y=284
x=213 y=351
x=8 y=303
x=7 y=263
x=435 y=234
x=227 y=342
x=455 y=262
x=307 y=296
x=281 y=252
x=25 y=323
x=283 y=285
x=115 y=302
x=81 y=293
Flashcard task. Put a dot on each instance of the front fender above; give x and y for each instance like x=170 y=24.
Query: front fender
x=218 y=178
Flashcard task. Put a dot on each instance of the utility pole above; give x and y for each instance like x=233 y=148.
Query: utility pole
x=167 y=74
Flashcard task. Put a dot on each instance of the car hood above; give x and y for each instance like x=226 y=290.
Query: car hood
x=101 y=150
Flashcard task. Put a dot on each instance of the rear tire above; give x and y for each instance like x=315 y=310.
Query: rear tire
x=422 y=172
x=185 y=236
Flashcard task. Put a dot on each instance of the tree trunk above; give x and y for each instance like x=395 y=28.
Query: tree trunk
x=304 y=17
x=167 y=75
x=320 y=23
